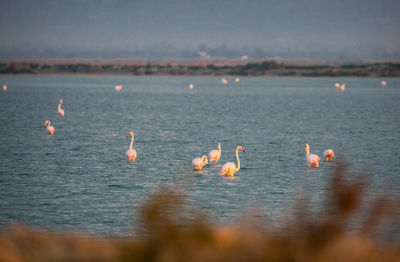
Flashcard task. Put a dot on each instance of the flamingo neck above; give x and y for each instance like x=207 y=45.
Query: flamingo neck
x=131 y=142
x=219 y=148
x=48 y=123
x=204 y=160
x=59 y=106
x=307 y=149
x=238 y=161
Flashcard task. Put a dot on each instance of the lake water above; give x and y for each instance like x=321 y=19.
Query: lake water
x=79 y=179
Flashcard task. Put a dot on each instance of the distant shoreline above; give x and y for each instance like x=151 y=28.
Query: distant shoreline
x=199 y=67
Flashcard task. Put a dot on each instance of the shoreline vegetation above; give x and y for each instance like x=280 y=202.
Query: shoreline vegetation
x=174 y=232
x=201 y=67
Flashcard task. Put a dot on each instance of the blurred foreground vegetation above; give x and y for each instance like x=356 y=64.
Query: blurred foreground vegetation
x=173 y=234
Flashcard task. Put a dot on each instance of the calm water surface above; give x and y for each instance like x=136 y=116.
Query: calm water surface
x=79 y=179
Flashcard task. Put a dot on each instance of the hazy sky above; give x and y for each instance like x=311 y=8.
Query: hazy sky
x=317 y=29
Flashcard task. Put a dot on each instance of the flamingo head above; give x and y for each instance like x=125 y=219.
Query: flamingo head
x=127 y=135
x=205 y=160
x=61 y=101
x=47 y=122
x=241 y=148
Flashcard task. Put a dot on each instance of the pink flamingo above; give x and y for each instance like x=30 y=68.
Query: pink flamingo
x=329 y=154
x=198 y=163
x=131 y=153
x=60 y=110
x=5 y=88
x=215 y=154
x=229 y=168
x=383 y=83
x=50 y=128
x=224 y=81
x=118 y=88
x=312 y=159
x=343 y=87
x=191 y=86
x=337 y=85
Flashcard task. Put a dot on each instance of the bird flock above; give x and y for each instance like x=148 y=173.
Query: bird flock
x=229 y=168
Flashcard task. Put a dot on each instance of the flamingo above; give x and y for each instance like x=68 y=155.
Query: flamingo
x=118 y=88
x=237 y=80
x=131 y=153
x=60 y=110
x=329 y=154
x=312 y=159
x=215 y=154
x=5 y=88
x=50 y=128
x=191 y=86
x=224 y=81
x=343 y=87
x=198 y=163
x=337 y=85
x=229 y=168
x=383 y=83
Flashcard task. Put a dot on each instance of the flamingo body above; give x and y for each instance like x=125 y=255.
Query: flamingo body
x=131 y=154
x=5 y=88
x=215 y=154
x=329 y=154
x=383 y=83
x=312 y=159
x=118 y=88
x=49 y=127
x=198 y=163
x=229 y=169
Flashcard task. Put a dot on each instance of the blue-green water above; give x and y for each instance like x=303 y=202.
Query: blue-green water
x=79 y=179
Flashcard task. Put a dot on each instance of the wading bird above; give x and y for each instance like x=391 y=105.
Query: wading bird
x=49 y=128
x=131 y=153
x=312 y=159
x=215 y=154
x=60 y=110
x=329 y=154
x=198 y=163
x=229 y=168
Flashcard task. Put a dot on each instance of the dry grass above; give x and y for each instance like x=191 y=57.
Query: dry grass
x=174 y=235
